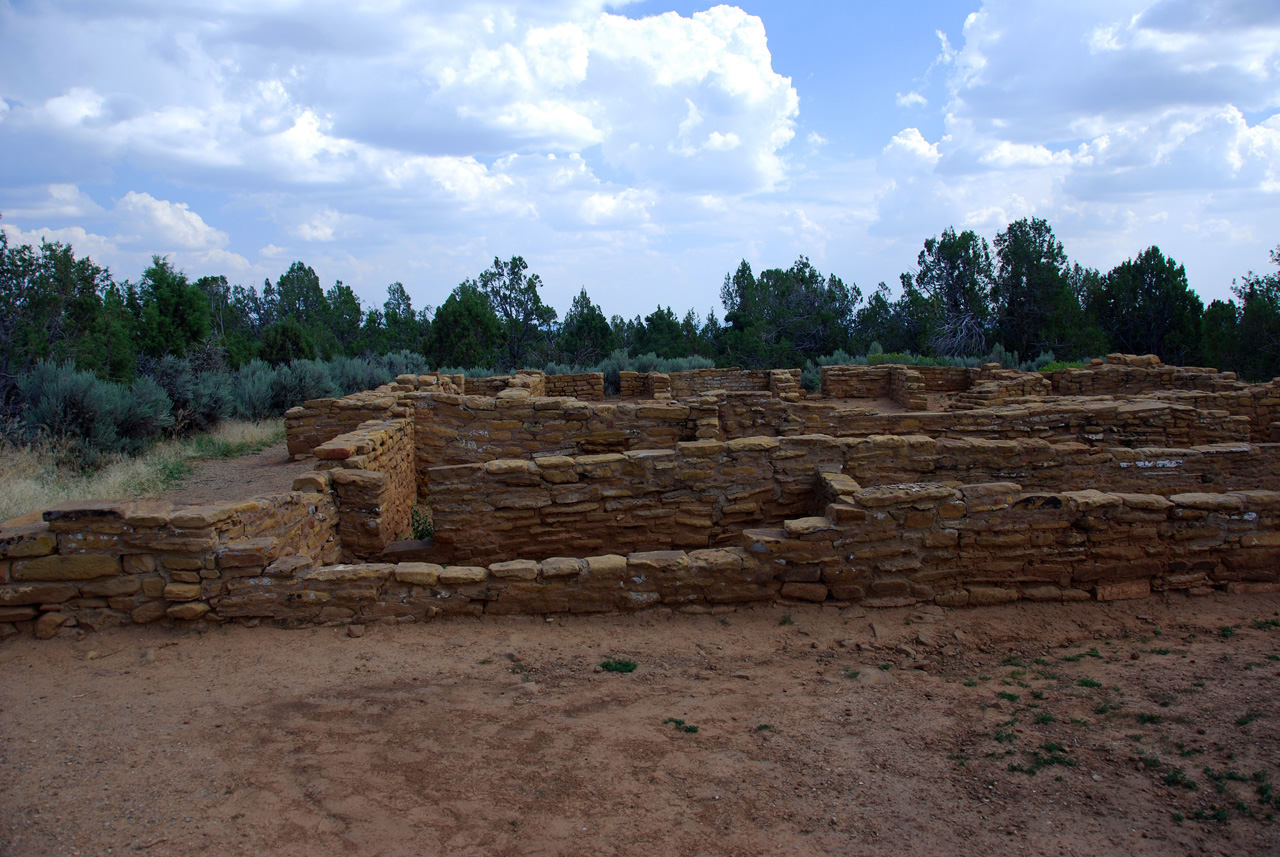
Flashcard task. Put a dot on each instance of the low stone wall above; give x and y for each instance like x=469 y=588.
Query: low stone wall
x=475 y=429
x=1130 y=374
x=887 y=546
x=588 y=386
x=705 y=494
x=372 y=476
x=877 y=382
x=906 y=387
x=320 y=420
x=695 y=382
x=1104 y=423
x=101 y=563
x=992 y=543
x=530 y=380
x=995 y=387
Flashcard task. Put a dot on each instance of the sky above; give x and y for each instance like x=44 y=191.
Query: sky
x=639 y=150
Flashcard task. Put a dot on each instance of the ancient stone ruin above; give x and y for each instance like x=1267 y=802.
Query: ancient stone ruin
x=698 y=491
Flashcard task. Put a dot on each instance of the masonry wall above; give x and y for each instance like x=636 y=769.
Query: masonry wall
x=95 y=565
x=588 y=386
x=876 y=382
x=1129 y=374
x=1150 y=422
x=705 y=494
x=373 y=479
x=474 y=429
x=101 y=563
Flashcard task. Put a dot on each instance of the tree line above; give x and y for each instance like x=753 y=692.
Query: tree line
x=963 y=298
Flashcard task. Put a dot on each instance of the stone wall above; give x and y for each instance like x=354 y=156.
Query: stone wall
x=1129 y=374
x=991 y=543
x=102 y=563
x=475 y=429
x=372 y=475
x=320 y=420
x=530 y=380
x=588 y=386
x=877 y=382
x=1134 y=423
x=705 y=494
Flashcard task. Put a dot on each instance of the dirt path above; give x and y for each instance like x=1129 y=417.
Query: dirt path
x=270 y=471
x=1026 y=729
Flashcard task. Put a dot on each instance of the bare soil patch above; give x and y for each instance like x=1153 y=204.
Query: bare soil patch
x=270 y=471
x=1140 y=728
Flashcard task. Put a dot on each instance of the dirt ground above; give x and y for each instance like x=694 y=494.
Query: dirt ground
x=1143 y=728
x=270 y=471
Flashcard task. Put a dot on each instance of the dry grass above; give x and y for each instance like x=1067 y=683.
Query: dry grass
x=36 y=476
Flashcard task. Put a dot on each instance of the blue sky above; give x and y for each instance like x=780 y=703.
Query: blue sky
x=641 y=149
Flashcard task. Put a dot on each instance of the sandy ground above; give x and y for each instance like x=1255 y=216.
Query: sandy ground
x=1138 y=728
x=270 y=471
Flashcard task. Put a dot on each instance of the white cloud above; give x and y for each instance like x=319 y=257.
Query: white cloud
x=319 y=227
x=815 y=140
x=909 y=150
x=165 y=225
x=911 y=99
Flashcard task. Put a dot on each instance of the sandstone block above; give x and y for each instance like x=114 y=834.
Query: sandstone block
x=418 y=573
x=520 y=569
x=189 y=611
x=112 y=586
x=668 y=562
x=608 y=565
x=48 y=624
x=556 y=568
x=73 y=567
x=181 y=592
x=1122 y=590
x=815 y=592
x=1210 y=502
x=984 y=595
x=805 y=526
x=36 y=593
x=248 y=553
x=29 y=540
x=461 y=575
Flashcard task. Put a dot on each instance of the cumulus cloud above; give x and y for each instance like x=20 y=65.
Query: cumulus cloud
x=911 y=99
x=1112 y=120
x=166 y=225
x=909 y=151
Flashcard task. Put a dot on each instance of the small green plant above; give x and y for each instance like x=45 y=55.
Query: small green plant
x=1013 y=661
x=1105 y=708
x=1177 y=778
x=970 y=683
x=1150 y=718
x=1150 y=761
x=765 y=727
x=885 y=667
x=680 y=725
x=420 y=526
x=1045 y=717
x=786 y=620
x=1246 y=719
x=618 y=665
x=851 y=673
x=1267 y=624
x=1089 y=682
x=1011 y=697
x=1226 y=632
x=1159 y=651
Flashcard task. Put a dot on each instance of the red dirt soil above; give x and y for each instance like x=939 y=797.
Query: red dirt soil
x=1022 y=729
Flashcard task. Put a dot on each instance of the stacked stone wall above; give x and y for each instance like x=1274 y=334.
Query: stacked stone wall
x=102 y=563
x=705 y=494
x=876 y=382
x=320 y=420
x=1135 y=423
x=1129 y=374
x=474 y=429
x=373 y=478
x=588 y=386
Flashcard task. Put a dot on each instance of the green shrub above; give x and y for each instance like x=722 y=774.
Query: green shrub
x=252 y=387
